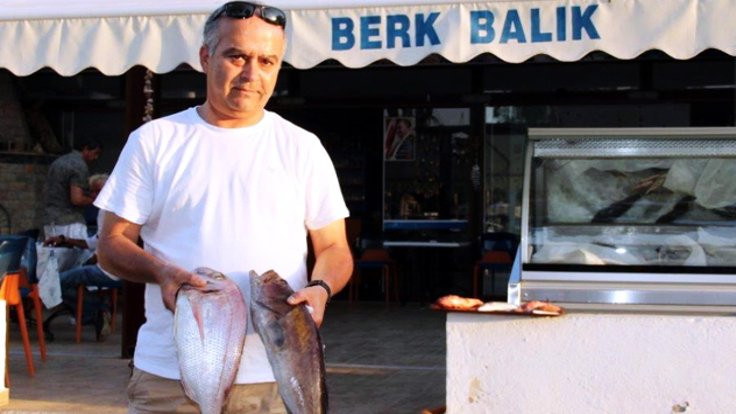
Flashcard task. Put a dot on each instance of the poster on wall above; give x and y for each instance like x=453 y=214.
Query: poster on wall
x=399 y=138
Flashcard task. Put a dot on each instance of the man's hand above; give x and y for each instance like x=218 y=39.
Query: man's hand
x=55 y=241
x=315 y=297
x=171 y=279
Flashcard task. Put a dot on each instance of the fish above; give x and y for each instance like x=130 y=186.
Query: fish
x=292 y=343
x=209 y=331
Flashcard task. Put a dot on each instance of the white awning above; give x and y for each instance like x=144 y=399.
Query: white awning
x=71 y=35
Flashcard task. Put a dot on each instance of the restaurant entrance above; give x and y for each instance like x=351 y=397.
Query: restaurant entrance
x=417 y=146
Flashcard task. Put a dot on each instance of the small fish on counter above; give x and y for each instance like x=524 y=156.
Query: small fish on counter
x=455 y=302
x=292 y=342
x=537 y=307
x=459 y=303
x=209 y=331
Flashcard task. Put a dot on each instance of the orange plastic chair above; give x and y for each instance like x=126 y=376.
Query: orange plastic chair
x=113 y=294
x=376 y=258
x=14 y=279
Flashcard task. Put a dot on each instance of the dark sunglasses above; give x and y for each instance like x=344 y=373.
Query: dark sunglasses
x=245 y=10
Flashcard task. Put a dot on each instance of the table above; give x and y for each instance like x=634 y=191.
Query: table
x=52 y=261
x=423 y=263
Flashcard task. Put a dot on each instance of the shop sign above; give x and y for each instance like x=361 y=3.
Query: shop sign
x=514 y=31
x=402 y=30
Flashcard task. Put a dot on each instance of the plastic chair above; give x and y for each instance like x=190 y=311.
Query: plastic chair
x=375 y=258
x=498 y=250
x=112 y=293
x=15 y=277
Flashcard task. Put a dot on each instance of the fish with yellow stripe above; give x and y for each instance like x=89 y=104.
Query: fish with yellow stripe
x=292 y=343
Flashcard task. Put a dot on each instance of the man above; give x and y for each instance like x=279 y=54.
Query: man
x=227 y=185
x=91 y=274
x=67 y=193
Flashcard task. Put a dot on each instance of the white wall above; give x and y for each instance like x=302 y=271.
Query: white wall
x=591 y=363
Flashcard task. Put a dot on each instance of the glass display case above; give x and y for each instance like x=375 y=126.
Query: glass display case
x=629 y=218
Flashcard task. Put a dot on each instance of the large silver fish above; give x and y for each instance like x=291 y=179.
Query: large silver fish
x=209 y=330
x=292 y=343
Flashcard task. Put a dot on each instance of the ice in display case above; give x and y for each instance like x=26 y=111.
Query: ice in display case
x=629 y=219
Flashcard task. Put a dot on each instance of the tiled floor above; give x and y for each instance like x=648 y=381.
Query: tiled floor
x=380 y=359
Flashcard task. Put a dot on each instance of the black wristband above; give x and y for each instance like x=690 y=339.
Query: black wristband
x=323 y=284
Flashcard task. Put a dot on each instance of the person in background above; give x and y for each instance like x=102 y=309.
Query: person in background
x=67 y=191
x=95 y=310
x=230 y=186
x=400 y=140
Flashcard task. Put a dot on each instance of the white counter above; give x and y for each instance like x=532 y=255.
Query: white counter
x=591 y=363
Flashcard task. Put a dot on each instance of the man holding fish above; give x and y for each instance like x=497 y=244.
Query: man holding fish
x=229 y=186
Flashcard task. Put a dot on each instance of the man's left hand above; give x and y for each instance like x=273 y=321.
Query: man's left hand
x=313 y=296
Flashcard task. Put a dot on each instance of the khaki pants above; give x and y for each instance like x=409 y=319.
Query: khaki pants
x=148 y=393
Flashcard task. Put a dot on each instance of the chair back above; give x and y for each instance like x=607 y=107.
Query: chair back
x=30 y=257
x=376 y=255
x=11 y=252
x=496 y=257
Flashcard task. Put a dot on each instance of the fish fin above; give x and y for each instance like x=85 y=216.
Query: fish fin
x=197 y=314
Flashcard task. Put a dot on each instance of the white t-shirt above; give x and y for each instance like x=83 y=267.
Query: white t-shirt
x=232 y=199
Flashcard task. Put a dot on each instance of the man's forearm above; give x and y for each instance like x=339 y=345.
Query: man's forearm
x=334 y=265
x=83 y=201
x=78 y=197
x=120 y=256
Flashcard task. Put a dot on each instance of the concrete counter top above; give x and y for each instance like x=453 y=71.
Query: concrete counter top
x=591 y=363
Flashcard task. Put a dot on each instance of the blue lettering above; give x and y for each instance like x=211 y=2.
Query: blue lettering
x=342 y=33
x=424 y=29
x=537 y=34
x=481 y=27
x=397 y=26
x=582 y=21
x=512 y=28
x=561 y=24
x=367 y=29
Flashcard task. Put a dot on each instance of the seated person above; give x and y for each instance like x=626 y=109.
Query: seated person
x=95 y=310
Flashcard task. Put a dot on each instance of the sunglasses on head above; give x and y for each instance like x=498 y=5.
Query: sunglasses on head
x=245 y=10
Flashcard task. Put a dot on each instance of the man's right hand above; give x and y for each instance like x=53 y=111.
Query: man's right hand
x=171 y=279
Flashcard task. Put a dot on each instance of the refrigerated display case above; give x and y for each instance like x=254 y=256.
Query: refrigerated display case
x=629 y=219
